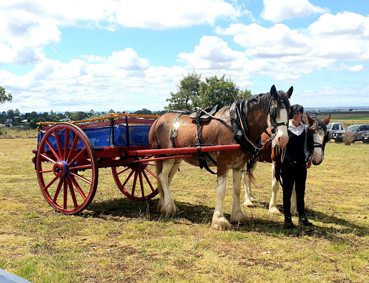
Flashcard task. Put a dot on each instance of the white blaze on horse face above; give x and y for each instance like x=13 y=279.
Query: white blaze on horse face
x=318 y=151
x=281 y=138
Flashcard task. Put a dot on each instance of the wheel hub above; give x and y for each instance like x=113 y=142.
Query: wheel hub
x=61 y=169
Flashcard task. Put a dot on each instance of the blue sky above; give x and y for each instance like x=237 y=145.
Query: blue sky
x=127 y=55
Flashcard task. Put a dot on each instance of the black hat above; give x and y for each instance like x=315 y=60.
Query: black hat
x=297 y=107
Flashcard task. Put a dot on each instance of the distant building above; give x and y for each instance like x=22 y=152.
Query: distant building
x=66 y=119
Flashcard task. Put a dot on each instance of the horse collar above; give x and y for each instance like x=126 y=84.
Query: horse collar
x=238 y=111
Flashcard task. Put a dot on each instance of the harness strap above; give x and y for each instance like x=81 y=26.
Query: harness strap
x=200 y=155
x=202 y=161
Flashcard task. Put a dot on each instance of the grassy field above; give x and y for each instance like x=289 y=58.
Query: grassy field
x=118 y=240
x=348 y=118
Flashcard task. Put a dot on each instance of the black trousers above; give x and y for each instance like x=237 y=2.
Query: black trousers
x=293 y=174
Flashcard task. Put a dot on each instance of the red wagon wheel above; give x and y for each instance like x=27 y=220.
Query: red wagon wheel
x=137 y=181
x=67 y=168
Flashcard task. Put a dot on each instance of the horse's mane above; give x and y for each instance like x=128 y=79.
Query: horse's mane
x=262 y=99
x=320 y=124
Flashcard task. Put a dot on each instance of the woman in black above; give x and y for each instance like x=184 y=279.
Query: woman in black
x=294 y=167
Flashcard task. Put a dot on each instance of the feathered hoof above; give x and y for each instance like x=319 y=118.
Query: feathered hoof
x=248 y=203
x=274 y=210
x=220 y=223
x=294 y=211
x=169 y=210
x=240 y=218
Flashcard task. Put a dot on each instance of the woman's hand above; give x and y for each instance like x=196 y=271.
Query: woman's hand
x=308 y=164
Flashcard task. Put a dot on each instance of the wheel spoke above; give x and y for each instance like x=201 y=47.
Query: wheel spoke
x=129 y=177
x=72 y=193
x=74 y=144
x=75 y=183
x=47 y=171
x=66 y=144
x=124 y=170
x=60 y=149
x=152 y=173
x=57 y=190
x=77 y=156
x=134 y=184
x=52 y=182
x=141 y=183
x=47 y=158
x=148 y=181
x=53 y=150
x=81 y=167
x=81 y=178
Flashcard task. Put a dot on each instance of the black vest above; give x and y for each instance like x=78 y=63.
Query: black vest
x=295 y=149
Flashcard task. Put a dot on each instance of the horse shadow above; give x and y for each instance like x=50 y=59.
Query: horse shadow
x=123 y=209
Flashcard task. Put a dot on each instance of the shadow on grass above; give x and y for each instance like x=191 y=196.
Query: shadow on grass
x=125 y=209
x=315 y=216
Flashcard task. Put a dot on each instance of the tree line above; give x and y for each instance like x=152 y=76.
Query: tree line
x=191 y=92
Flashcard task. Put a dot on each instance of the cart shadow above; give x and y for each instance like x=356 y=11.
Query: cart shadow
x=124 y=209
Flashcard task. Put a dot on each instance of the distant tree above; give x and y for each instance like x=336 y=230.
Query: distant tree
x=79 y=115
x=143 y=111
x=193 y=92
x=33 y=123
x=187 y=95
x=220 y=92
x=17 y=112
x=5 y=97
x=92 y=112
x=10 y=114
x=111 y=111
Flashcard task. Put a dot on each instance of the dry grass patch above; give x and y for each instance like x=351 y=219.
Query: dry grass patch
x=119 y=240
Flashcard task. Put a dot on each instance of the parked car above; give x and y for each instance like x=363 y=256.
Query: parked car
x=357 y=130
x=333 y=128
x=365 y=138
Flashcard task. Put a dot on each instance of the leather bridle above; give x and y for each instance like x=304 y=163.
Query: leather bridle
x=273 y=114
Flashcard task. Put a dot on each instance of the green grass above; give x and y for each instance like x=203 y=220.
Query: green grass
x=119 y=240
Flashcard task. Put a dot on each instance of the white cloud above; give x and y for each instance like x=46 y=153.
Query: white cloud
x=356 y=68
x=213 y=54
x=79 y=85
x=27 y=26
x=164 y=14
x=280 y=10
x=287 y=54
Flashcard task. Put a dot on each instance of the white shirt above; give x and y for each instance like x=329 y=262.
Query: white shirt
x=296 y=130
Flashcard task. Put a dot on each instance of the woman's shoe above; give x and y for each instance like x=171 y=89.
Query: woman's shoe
x=304 y=221
x=288 y=224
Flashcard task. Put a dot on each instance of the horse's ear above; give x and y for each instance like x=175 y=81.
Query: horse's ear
x=273 y=92
x=289 y=92
x=309 y=120
x=326 y=120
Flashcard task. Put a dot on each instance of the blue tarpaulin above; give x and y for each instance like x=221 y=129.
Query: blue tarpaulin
x=7 y=277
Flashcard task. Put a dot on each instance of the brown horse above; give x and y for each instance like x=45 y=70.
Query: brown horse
x=268 y=154
x=259 y=112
